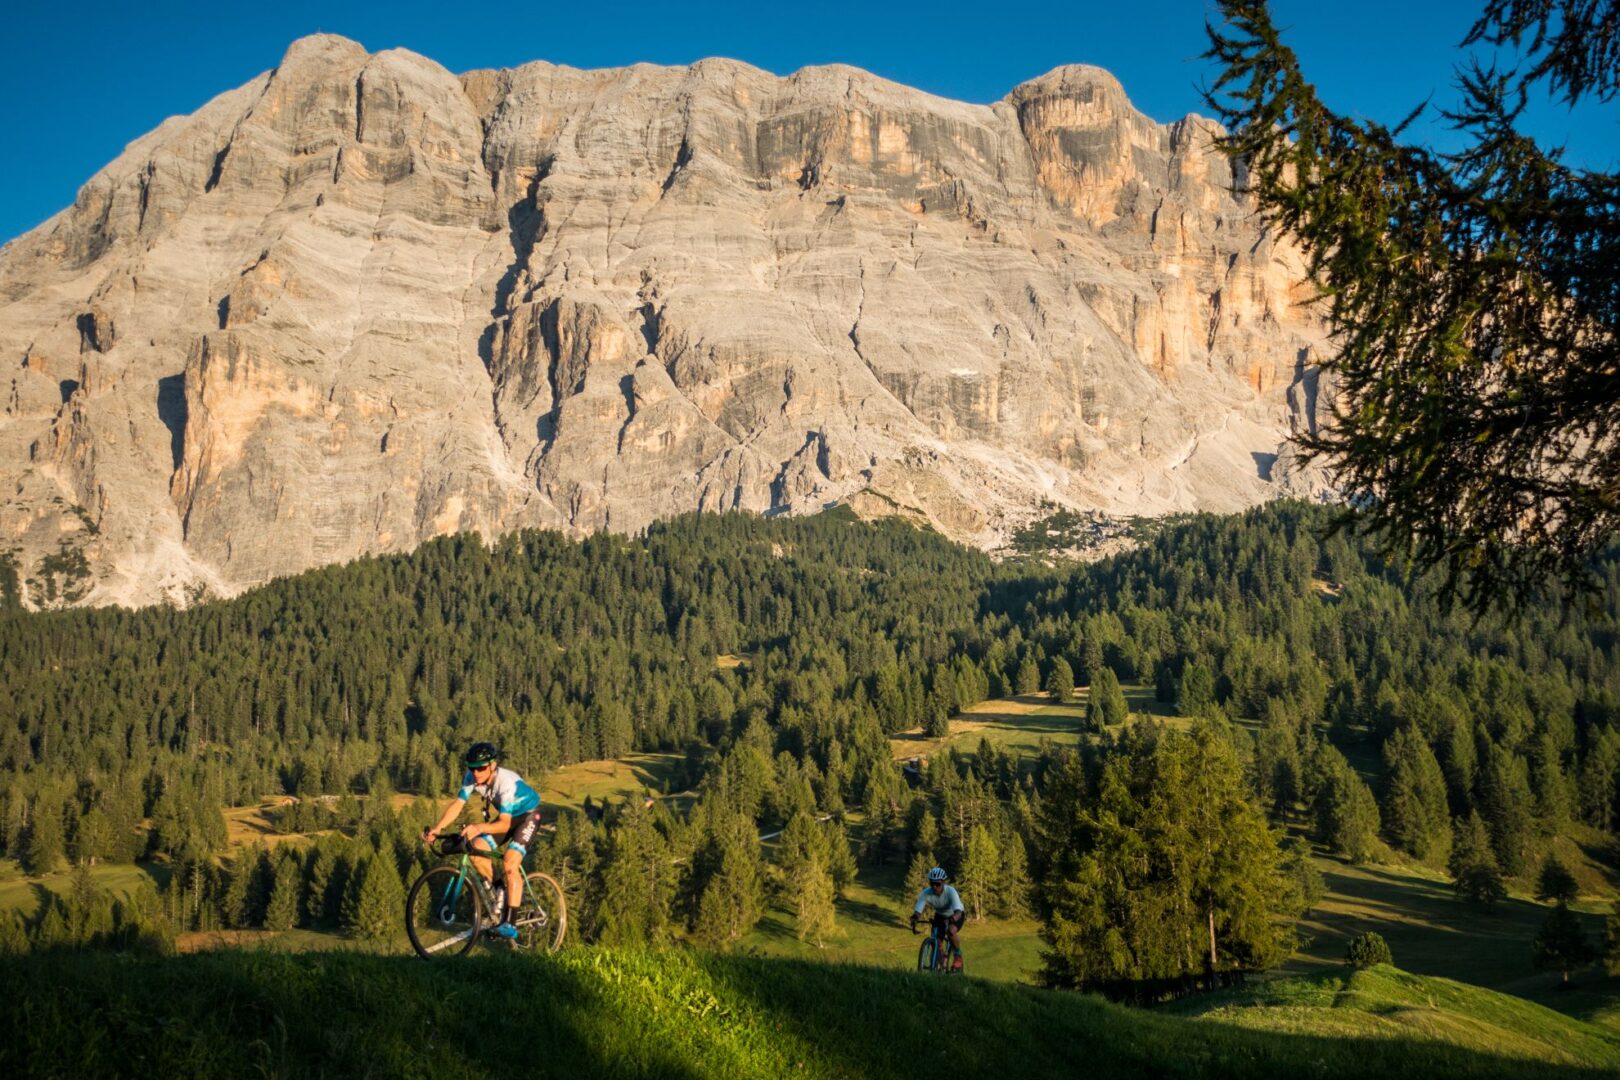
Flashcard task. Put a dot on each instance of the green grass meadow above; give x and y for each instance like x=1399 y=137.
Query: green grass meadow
x=684 y=1013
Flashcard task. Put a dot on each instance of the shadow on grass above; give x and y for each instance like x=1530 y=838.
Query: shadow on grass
x=593 y=1013
x=870 y=1023
x=1431 y=930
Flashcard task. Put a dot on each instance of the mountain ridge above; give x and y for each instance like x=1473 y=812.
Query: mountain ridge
x=361 y=301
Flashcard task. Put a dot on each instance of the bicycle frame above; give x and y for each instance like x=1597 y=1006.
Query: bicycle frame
x=942 y=948
x=464 y=872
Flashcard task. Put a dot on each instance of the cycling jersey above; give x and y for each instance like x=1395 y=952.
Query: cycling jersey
x=506 y=791
x=946 y=903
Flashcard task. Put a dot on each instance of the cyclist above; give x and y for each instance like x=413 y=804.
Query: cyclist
x=516 y=808
x=947 y=906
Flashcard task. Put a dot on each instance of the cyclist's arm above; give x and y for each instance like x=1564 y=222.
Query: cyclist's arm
x=498 y=827
x=921 y=903
x=956 y=902
x=450 y=814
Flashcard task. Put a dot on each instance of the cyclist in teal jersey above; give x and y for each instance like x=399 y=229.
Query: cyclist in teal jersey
x=516 y=808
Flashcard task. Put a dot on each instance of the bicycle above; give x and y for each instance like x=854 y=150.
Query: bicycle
x=450 y=907
x=936 y=953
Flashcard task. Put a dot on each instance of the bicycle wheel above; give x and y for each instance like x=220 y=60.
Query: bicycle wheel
x=542 y=918
x=443 y=913
x=925 y=955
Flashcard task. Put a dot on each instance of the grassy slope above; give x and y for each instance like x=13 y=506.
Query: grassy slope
x=592 y=1012
x=871 y=929
x=21 y=892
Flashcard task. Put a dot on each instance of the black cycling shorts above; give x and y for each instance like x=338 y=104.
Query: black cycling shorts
x=954 y=919
x=518 y=836
x=521 y=833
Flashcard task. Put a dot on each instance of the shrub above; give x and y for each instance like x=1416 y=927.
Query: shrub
x=1366 y=950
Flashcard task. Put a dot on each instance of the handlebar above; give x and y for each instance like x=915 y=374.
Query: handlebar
x=446 y=844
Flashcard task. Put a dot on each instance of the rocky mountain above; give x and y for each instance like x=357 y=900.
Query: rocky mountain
x=362 y=301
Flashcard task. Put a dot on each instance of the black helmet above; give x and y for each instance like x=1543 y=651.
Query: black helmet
x=480 y=753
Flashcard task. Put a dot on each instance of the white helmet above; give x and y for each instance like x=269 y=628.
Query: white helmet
x=937 y=874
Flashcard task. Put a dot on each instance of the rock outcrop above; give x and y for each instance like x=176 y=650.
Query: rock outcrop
x=361 y=301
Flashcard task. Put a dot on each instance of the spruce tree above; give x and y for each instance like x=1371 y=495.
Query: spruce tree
x=1195 y=693
x=1472 y=445
x=1060 y=681
x=1013 y=876
x=1416 y=815
x=733 y=897
x=286 y=894
x=1302 y=875
x=812 y=889
x=378 y=904
x=840 y=859
x=1028 y=680
x=1346 y=813
x=1555 y=883
x=1105 y=703
x=1561 y=945
x=1474 y=870
x=978 y=880
x=44 y=852
x=636 y=882
x=234 y=907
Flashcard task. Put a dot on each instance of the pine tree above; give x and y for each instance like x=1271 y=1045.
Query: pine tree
x=636 y=882
x=45 y=847
x=1471 y=445
x=1302 y=875
x=733 y=897
x=321 y=902
x=286 y=895
x=379 y=901
x=1105 y=703
x=1195 y=693
x=812 y=889
x=234 y=907
x=1060 y=681
x=1013 y=876
x=1028 y=680
x=1346 y=813
x=1474 y=870
x=1555 y=882
x=94 y=840
x=978 y=879
x=1416 y=815
x=840 y=859
x=1561 y=945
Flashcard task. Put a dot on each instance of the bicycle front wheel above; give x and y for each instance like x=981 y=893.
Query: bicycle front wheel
x=925 y=955
x=443 y=913
x=542 y=918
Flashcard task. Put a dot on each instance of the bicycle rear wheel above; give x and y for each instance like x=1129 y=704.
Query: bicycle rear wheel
x=443 y=913
x=542 y=918
x=925 y=955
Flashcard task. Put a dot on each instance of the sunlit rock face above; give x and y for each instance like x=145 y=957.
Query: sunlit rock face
x=361 y=302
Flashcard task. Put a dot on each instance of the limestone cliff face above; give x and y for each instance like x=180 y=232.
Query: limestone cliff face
x=361 y=301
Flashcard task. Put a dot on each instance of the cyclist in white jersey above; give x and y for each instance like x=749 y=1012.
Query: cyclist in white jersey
x=947 y=906
x=512 y=810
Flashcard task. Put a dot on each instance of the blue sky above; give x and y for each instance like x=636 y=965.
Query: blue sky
x=79 y=81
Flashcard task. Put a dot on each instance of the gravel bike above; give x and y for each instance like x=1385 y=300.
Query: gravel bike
x=936 y=953
x=451 y=906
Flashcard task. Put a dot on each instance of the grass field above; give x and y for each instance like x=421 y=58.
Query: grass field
x=22 y=893
x=871 y=929
x=568 y=785
x=1019 y=724
x=686 y=1013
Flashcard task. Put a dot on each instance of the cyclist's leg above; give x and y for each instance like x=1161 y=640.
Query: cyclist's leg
x=517 y=846
x=942 y=934
x=952 y=925
x=482 y=863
